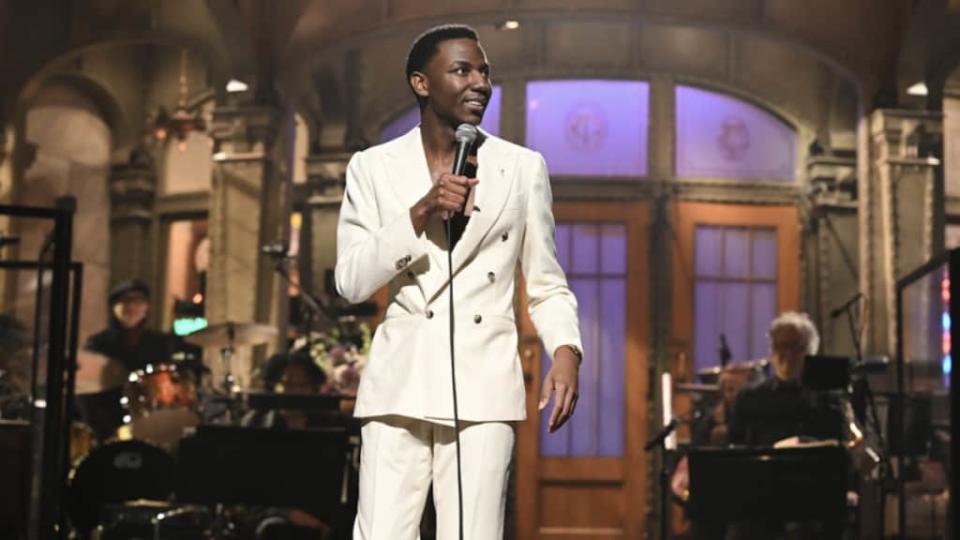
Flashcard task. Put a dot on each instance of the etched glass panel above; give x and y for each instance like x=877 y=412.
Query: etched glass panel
x=589 y=127
x=719 y=136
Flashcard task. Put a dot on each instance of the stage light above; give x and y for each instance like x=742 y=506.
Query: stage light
x=509 y=24
x=917 y=89
x=236 y=85
x=185 y=326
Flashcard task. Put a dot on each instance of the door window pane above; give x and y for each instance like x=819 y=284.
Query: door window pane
x=600 y=286
x=735 y=292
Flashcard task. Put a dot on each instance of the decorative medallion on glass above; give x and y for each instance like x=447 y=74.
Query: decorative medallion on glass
x=589 y=127
x=719 y=136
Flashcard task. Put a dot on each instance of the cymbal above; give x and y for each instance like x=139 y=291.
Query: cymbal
x=98 y=373
x=232 y=334
x=695 y=388
x=710 y=375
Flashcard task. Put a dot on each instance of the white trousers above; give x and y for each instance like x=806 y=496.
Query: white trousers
x=401 y=456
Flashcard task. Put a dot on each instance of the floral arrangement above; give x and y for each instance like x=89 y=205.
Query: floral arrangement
x=341 y=356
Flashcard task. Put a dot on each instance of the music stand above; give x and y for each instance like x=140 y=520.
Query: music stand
x=826 y=372
x=795 y=484
x=309 y=470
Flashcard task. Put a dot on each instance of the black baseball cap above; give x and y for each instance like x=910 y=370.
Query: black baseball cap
x=126 y=286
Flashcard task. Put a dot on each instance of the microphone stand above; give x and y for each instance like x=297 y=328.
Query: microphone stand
x=313 y=305
x=862 y=386
x=659 y=440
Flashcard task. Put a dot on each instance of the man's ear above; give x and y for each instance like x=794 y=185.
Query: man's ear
x=420 y=84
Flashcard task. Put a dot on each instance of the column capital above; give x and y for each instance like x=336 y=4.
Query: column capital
x=326 y=177
x=132 y=188
x=245 y=129
x=833 y=179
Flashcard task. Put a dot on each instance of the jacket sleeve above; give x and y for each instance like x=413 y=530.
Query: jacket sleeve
x=370 y=252
x=553 y=308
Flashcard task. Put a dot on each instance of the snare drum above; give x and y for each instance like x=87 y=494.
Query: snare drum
x=160 y=402
x=118 y=472
x=157 y=520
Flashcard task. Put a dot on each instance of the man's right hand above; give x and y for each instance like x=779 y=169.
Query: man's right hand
x=447 y=195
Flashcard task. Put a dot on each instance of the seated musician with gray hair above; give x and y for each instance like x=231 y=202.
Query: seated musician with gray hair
x=780 y=411
x=779 y=407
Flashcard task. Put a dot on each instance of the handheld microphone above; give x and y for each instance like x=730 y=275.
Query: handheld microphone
x=725 y=354
x=465 y=137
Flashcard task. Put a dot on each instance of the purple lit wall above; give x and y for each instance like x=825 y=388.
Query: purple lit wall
x=411 y=117
x=719 y=136
x=735 y=292
x=594 y=257
x=589 y=127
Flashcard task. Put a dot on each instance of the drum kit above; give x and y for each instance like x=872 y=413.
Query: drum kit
x=126 y=484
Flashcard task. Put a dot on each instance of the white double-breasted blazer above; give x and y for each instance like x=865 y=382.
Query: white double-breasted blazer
x=408 y=370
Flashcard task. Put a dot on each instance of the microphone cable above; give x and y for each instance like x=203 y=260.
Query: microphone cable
x=466 y=135
x=453 y=378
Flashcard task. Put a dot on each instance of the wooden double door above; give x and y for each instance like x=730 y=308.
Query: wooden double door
x=590 y=479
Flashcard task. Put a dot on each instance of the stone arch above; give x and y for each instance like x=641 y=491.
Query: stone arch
x=826 y=103
x=67 y=123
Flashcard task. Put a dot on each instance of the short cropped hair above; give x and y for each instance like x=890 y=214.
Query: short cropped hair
x=802 y=324
x=278 y=363
x=425 y=46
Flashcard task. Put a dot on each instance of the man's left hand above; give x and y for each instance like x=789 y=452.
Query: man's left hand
x=562 y=379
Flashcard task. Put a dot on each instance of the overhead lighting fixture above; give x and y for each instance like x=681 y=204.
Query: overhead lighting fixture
x=236 y=85
x=182 y=122
x=509 y=24
x=917 y=89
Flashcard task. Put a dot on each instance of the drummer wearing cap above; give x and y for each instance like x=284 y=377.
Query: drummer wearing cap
x=127 y=341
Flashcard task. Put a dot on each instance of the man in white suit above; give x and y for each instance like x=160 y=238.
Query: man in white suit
x=391 y=233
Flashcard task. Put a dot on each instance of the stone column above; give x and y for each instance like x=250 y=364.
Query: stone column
x=249 y=207
x=902 y=212
x=831 y=266
x=326 y=174
x=132 y=191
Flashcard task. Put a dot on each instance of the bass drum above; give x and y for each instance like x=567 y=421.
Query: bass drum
x=161 y=402
x=115 y=473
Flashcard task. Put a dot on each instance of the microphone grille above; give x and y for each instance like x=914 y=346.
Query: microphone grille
x=466 y=133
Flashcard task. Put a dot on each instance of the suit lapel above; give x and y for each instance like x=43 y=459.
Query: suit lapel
x=496 y=180
x=409 y=177
x=406 y=170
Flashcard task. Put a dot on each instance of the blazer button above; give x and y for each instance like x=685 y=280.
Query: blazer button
x=491 y=276
x=477 y=318
x=429 y=314
x=505 y=237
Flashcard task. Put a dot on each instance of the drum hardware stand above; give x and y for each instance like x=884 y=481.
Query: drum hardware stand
x=229 y=382
x=223 y=528
x=862 y=382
